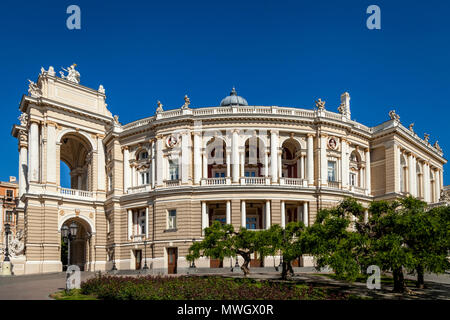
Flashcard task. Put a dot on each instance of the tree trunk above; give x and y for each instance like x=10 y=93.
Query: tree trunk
x=244 y=266
x=420 y=277
x=399 y=280
x=287 y=270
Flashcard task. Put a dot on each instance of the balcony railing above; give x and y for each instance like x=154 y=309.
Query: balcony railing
x=138 y=237
x=75 y=193
x=215 y=181
x=139 y=189
x=171 y=183
x=255 y=180
x=333 y=184
x=297 y=182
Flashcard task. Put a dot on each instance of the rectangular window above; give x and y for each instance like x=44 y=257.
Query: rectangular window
x=173 y=170
x=172 y=222
x=332 y=171
x=141 y=222
x=110 y=182
x=145 y=178
x=9 y=216
x=9 y=194
x=352 y=179
x=251 y=223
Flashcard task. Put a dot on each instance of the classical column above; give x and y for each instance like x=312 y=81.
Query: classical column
x=235 y=156
x=51 y=153
x=274 y=155
x=426 y=182
x=368 y=180
x=23 y=163
x=185 y=156
x=302 y=166
x=305 y=214
x=310 y=160
x=204 y=217
x=33 y=155
x=135 y=223
x=411 y=171
x=101 y=164
x=283 y=214
x=159 y=161
x=134 y=181
x=228 y=213
x=146 y=222
x=280 y=167
x=205 y=165
x=228 y=160
x=126 y=169
x=268 y=214
x=242 y=161
x=130 y=223
x=344 y=163
x=323 y=159
x=437 y=185
x=80 y=181
x=243 y=215
x=153 y=165
x=266 y=163
x=299 y=213
x=197 y=158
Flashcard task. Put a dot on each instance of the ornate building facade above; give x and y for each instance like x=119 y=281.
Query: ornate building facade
x=142 y=192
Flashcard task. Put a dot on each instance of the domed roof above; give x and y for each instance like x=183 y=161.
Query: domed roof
x=233 y=100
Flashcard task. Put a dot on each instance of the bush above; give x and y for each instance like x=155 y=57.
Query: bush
x=199 y=288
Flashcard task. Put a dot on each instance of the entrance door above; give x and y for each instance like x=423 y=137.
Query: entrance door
x=138 y=259
x=215 y=263
x=256 y=261
x=172 y=255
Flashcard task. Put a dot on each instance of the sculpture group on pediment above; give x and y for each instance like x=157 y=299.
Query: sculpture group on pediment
x=72 y=74
x=23 y=118
x=34 y=90
x=394 y=116
x=320 y=105
x=187 y=102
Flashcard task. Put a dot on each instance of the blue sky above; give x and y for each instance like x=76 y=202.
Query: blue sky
x=286 y=53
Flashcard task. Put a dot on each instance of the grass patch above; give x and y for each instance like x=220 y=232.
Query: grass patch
x=74 y=294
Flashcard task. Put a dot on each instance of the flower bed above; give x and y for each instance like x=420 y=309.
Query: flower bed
x=200 y=288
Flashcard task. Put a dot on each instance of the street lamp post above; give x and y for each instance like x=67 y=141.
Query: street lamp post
x=69 y=233
x=145 y=255
x=114 y=268
x=193 y=261
x=6 y=268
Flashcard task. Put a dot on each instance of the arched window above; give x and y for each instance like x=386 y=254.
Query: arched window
x=216 y=158
x=76 y=154
x=354 y=178
x=254 y=157
x=290 y=159
x=142 y=155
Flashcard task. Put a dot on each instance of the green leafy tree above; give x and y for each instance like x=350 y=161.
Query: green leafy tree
x=333 y=243
x=222 y=241
x=426 y=234
x=288 y=242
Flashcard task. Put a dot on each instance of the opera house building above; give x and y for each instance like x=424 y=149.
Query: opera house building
x=141 y=193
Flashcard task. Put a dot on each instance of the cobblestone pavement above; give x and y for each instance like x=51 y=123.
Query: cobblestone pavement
x=39 y=287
